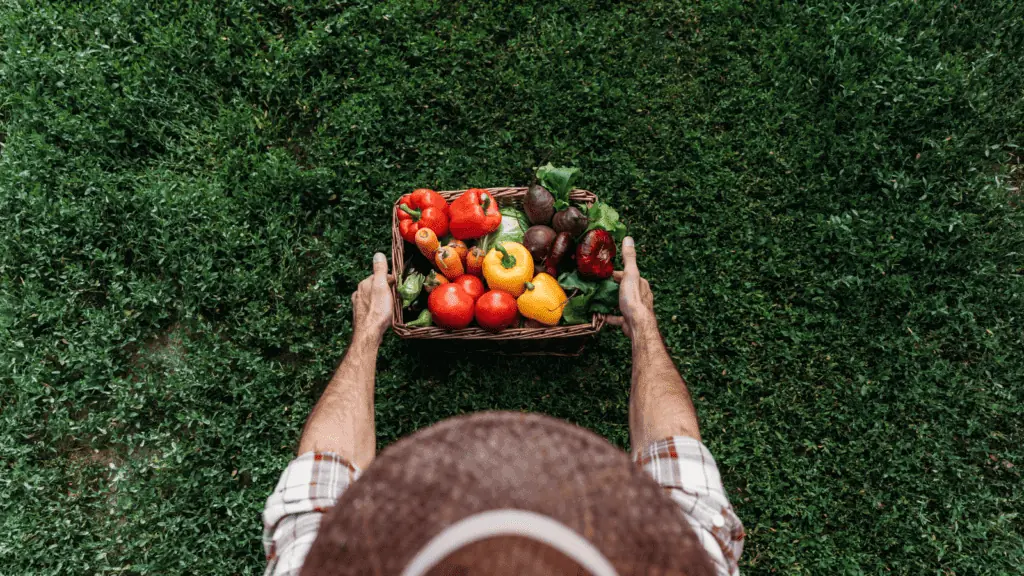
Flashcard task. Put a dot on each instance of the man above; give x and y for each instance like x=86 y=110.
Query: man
x=503 y=493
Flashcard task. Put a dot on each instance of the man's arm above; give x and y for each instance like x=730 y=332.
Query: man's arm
x=342 y=420
x=659 y=403
x=663 y=427
x=341 y=423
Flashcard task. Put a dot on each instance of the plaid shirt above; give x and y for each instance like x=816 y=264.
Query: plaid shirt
x=683 y=466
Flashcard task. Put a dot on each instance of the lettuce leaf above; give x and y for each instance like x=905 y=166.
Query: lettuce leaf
x=513 y=227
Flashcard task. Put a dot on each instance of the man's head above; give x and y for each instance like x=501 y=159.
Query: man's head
x=505 y=493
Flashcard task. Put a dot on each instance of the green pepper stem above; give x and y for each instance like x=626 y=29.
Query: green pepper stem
x=507 y=260
x=414 y=213
x=486 y=203
x=529 y=286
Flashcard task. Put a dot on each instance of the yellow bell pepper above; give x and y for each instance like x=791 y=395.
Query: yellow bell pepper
x=508 y=267
x=543 y=300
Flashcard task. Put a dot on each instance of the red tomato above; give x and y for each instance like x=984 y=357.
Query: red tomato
x=473 y=285
x=450 y=306
x=497 y=310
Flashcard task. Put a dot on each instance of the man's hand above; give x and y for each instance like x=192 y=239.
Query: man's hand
x=342 y=420
x=659 y=403
x=372 y=302
x=636 y=301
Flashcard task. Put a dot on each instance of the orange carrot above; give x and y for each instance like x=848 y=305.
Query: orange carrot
x=460 y=247
x=426 y=241
x=475 y=261
x=448 y=262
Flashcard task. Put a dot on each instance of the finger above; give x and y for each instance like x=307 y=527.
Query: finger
x=380 y=268
x=629 y=257
x=620 y=322
x=391 y=279
x=618 y=275
x=380 y=264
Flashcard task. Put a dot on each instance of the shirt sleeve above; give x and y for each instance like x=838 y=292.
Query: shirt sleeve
x=308 y=488
x=685 y=468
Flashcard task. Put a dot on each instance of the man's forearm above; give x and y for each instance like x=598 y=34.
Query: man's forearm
x=659 y=403
x=342 y=420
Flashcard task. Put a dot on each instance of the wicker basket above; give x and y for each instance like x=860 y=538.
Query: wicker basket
x=505 y=197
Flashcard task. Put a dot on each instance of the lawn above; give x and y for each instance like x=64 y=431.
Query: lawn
x=826 y=198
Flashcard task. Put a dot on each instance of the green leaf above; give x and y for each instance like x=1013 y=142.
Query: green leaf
x=604 y=217
x=519 y=215
x=558 y=181
x=601 y=297
x=606 y=296
x=577 y=310
x=513 y=226
x=572 y=281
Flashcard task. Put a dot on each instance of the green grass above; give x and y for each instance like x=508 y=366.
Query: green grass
x=823 y=194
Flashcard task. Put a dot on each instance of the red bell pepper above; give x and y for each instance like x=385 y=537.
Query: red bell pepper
x=474 y=214
x=422 y=209
x=595 y=256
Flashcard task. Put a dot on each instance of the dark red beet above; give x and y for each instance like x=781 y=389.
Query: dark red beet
x=561 y=254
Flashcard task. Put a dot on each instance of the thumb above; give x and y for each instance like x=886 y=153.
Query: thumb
x=629 y=257
x=380 y=268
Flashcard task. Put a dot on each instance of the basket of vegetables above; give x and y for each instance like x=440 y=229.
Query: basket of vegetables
x=513 y=263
